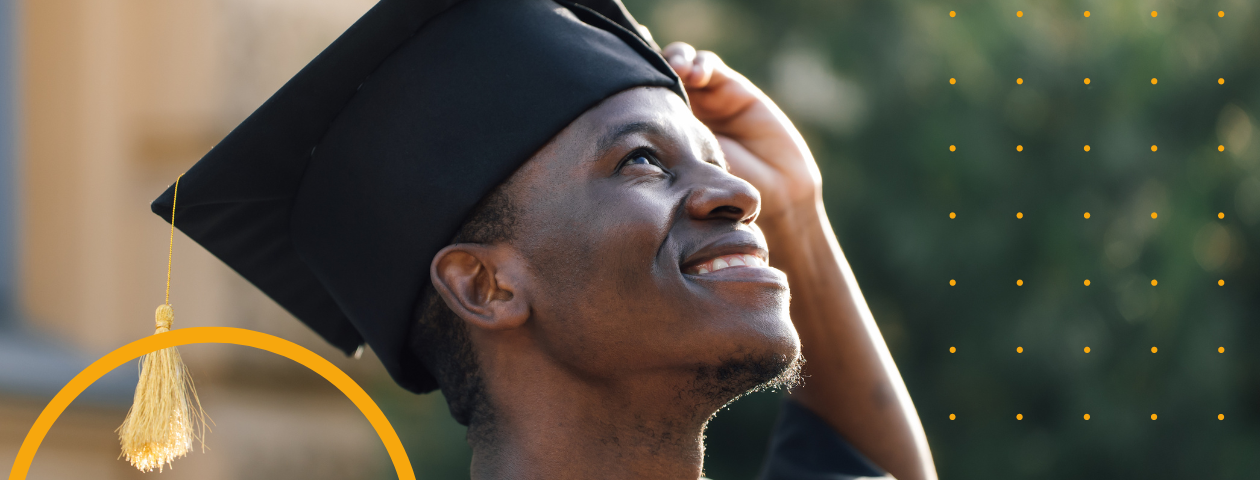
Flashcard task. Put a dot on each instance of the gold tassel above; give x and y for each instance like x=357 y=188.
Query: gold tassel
x=166 y=415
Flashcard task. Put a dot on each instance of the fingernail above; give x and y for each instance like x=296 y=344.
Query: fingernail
x=676 y=60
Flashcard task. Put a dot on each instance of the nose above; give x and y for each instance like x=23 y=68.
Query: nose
x=722 y=196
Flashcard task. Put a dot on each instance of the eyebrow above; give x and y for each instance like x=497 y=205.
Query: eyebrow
x=710 y=152
x=608 y=140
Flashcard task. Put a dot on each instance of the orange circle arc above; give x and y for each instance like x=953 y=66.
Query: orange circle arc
x=235 y=336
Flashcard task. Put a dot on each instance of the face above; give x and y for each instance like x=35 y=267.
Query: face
x=641 y=248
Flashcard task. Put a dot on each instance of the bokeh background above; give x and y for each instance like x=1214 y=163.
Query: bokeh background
x=104 y=102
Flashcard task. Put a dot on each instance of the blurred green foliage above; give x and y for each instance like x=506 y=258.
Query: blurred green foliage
x=867 y=83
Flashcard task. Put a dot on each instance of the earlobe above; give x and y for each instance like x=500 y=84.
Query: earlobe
x=479 y=283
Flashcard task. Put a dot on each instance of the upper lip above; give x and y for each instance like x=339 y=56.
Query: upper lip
x=739 y=242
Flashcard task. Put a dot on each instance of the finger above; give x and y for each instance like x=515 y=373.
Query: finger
x=702 y=69
x=680 y=56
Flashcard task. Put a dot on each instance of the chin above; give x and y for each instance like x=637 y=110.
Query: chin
x=767 y=357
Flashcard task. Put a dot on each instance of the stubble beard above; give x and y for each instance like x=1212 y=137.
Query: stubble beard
x=716 y=386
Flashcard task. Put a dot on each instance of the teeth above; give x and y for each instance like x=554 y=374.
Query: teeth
x=727 y=261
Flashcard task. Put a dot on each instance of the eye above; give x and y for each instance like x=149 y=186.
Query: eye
x=641 y=159
x=638 y=160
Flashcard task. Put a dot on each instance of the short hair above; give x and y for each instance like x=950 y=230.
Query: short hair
x=440 y=338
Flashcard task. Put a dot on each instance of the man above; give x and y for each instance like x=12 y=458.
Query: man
x=595 y=220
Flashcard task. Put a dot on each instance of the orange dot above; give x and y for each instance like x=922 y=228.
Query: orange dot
x=1221 y=282
x=1220 y=13
x=952 y=282
x=1220 y=416
x=1154 y=416
x=1019 y=13
x=1019 y=282
x=1019 y=214
x=952 y=215
x=1154 y=81
x=1087 y=148
x=1220 y=215
x=1154 y=349
x=1087 y=416
x=1220 y=81
x=951 y=13
x=1087 y=80
x=1086 y=282
x=951 y=147
x=1086 y=215
x=1087 y=14
x=1154 y=215
x=1019 y=349
x=951 y=416
x=1220 y=349
x=1019 y=81
x=1154 y=148
x=1154 y=282
x=1220 y=148
x=1019 y=148
x=1019 y=416
x=1086 y=349
x=1154 y=14
x=952 y=349
x=952 y=81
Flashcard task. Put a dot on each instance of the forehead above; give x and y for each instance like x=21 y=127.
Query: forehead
x=641 y=115
x=653 y=111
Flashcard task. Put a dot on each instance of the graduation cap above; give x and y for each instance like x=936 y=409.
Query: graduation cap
x=334 y=196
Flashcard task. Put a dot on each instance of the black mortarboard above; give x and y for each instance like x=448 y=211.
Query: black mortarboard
x=333 y=197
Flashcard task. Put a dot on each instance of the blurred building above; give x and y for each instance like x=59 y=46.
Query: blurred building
x=102 y=104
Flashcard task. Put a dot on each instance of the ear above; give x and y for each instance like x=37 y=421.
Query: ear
x=480 y=284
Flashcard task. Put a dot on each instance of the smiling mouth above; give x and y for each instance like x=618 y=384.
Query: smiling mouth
x=722 y=262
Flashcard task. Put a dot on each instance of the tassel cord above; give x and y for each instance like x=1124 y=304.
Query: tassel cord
x=166 y=416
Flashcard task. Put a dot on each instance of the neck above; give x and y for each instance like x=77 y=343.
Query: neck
x=573 y=430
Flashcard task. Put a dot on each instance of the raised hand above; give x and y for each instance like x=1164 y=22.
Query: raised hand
x=760 y=143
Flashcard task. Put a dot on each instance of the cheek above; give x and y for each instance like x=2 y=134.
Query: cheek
x=604 y=292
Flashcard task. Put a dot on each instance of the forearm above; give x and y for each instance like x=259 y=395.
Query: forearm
x=851 y=380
